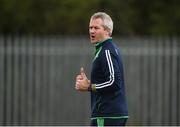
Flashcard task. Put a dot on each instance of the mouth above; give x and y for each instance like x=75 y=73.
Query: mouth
x=92 y=37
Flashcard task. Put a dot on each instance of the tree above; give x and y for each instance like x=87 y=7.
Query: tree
x=131 y=17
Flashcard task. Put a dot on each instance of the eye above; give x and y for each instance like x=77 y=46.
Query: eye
x=96 y=28
x=90 y=28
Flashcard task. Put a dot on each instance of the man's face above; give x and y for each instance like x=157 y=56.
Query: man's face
x=96 y=30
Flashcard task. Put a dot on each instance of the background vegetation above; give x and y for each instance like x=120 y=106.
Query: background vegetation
x=71 y=17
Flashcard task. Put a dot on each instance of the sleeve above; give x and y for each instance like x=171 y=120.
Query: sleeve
x=109 y=65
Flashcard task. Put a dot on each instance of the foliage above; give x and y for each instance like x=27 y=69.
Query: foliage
x=131 y=17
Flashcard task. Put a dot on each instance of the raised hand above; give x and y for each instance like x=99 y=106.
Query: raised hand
x=82 y=82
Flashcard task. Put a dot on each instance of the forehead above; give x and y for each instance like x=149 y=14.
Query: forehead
x=96 y=22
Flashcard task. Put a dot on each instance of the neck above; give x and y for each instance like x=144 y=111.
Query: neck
x=99 y=44
x=102 y=41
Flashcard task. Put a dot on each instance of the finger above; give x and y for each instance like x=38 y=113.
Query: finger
x=82 y=72
x=76 y=86
x=77 y=83
x=89 y=81
x=79 y=77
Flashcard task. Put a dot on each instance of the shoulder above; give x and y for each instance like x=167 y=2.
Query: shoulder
x=111 y=47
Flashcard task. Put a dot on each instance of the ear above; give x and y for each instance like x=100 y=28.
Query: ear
x=109 y=31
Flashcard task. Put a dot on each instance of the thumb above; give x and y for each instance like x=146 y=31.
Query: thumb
x=82 y=72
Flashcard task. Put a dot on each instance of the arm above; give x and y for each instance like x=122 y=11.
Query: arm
x=111 y=73
x=109 y=65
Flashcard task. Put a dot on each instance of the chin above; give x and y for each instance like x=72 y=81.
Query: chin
x=93 y=42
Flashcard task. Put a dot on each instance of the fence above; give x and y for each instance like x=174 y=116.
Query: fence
x=37 y=76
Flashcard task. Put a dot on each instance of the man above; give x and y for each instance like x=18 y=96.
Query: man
x=108 y=102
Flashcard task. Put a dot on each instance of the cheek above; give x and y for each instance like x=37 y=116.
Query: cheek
x=98 y=36
x=100 y=33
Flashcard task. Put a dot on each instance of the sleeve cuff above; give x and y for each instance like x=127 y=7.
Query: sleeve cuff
x=92 y=88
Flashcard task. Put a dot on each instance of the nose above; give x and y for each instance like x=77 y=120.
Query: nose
x=91 y=30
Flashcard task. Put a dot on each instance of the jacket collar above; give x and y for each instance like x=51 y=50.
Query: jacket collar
x=99 y=44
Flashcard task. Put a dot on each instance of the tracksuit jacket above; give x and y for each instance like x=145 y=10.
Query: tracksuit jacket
x=108 y=100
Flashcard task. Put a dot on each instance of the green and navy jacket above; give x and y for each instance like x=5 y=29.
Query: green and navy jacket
x=108 y=100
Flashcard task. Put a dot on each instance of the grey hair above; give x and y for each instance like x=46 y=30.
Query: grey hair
x=108 y=23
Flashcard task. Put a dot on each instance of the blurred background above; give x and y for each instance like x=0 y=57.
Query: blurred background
x=43 y=44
